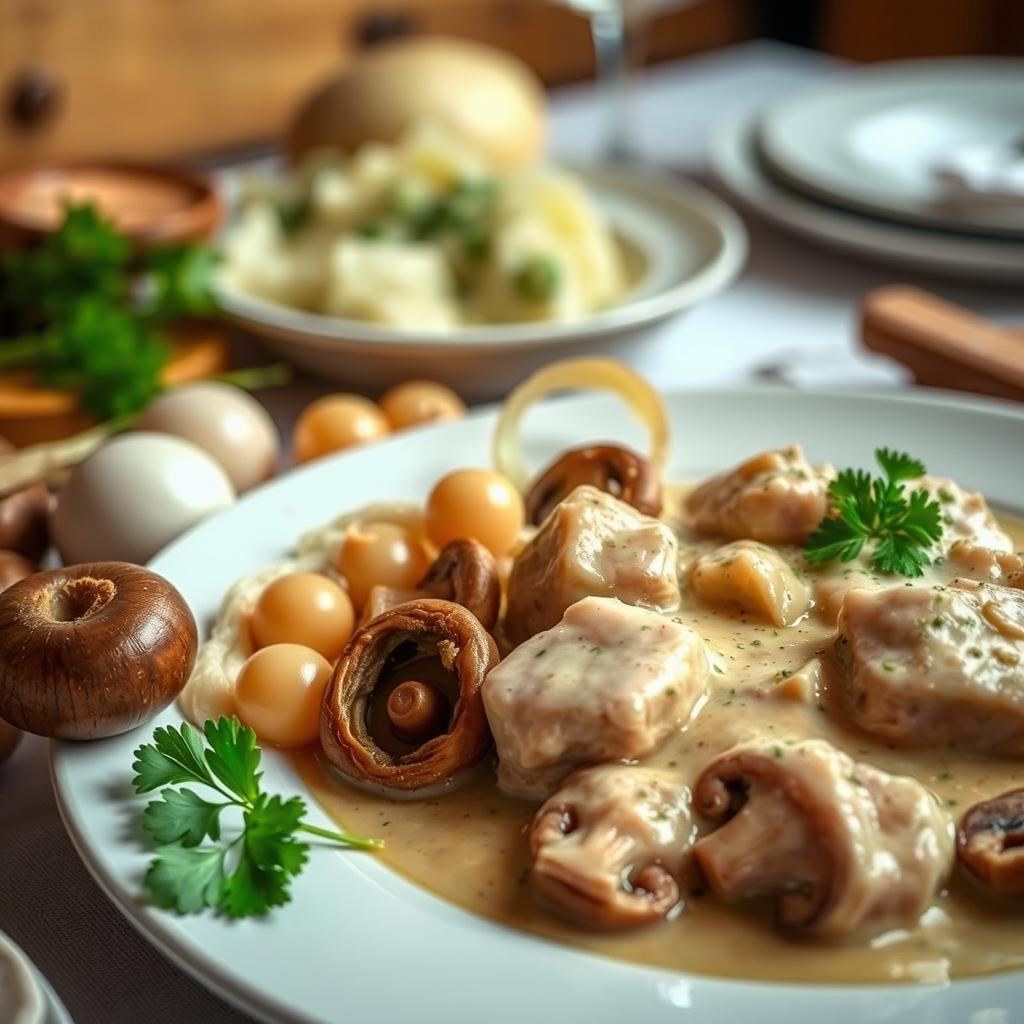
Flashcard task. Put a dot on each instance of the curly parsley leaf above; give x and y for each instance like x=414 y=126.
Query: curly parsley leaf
x=865 y=508
x=182 y=816
x=84 y=311
x=270 y=857
x=187 y=879
x=178 y=282
x=174 y=756
x=899 y=466
x=234 y=757
x=245 y=875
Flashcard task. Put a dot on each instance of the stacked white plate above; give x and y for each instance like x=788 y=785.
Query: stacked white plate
x=918 y=163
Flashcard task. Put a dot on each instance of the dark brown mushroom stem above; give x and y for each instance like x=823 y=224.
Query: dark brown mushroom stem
x=612 y=469
x=775 y=840
x=417 y=711
x=92 y=650
x=23 y=517
x=990 y=842
x=14 y=567
x=425 y=633
x=9 y=740
x=383 y=598
x=465 y=572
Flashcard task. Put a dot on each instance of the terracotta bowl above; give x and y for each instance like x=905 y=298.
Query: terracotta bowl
x=150 y=203
x=30 y=414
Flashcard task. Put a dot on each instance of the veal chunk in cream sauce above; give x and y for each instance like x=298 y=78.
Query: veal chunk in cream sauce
x=753 y=768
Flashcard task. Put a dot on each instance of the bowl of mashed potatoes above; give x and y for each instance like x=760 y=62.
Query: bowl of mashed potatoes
x=418 y=256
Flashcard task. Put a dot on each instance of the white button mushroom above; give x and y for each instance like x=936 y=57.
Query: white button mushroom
x=134 y=496
x=224 y=421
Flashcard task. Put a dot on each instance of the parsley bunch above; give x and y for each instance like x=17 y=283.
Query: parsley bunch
x=240 y=877
x=84 y=312
x=903 y=527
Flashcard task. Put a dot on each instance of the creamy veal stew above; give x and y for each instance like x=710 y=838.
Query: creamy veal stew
x=683 y=645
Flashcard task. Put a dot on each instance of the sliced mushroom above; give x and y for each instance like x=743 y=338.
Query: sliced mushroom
x=465 y=572
x=403 y=714
x=609 y=846
x=840 y=847
x=990 y=842
x=92 y=650
x=618 y=471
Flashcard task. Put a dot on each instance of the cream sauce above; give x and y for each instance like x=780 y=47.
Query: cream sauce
x=469 y=846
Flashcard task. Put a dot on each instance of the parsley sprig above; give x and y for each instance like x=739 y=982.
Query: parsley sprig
x=242 y=876
x=870 y=508
x=85 y=312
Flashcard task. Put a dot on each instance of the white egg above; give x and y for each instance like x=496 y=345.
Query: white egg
x=134 y=495
x=224 y=421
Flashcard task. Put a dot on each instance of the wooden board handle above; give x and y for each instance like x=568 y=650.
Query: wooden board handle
x=943 y=344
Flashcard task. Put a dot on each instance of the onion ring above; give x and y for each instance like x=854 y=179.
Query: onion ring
x=591 y=373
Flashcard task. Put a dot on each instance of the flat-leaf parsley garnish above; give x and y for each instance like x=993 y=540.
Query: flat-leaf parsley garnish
x=877 y=508
x=242 y=876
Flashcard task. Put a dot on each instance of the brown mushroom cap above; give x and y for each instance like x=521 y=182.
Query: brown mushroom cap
x=9 y=740
x=23 y=517
x=465 y=572
x=14 y=567
x=609 y=468
x=92 y=650
x=990 y=842
x=426 y=627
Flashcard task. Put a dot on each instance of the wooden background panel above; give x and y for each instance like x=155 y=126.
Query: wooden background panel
x=872 y=30
x=161 y=78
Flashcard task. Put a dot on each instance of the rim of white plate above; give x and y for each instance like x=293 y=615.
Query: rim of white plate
x=675 y=990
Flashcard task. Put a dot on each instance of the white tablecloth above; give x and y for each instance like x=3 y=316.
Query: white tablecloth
x=792 y=301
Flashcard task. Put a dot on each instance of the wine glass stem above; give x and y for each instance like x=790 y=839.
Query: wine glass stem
x=608 y=28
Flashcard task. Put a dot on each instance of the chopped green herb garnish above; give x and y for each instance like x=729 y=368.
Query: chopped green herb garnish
x=241 y=877
x=901 y=526
x=84 y=312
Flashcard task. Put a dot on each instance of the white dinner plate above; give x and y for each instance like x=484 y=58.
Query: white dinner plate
x=874 y=139
x=360 y=942
x=737 y=164
x=685 y=243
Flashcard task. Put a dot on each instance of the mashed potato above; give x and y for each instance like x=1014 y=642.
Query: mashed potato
x=423 y=235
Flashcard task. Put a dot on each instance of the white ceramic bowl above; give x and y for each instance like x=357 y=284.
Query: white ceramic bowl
x=690 y=244
x=25 y=995
x=21 y=998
